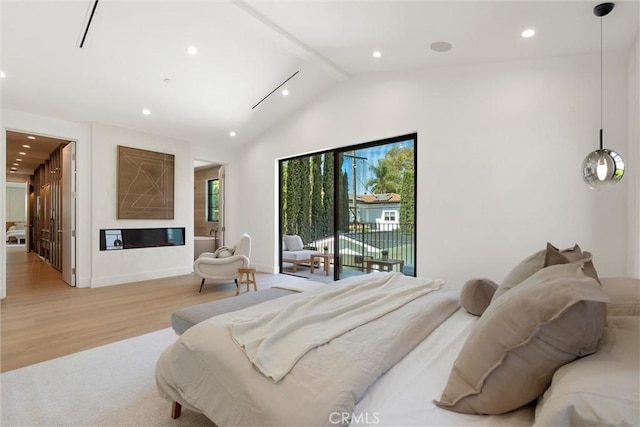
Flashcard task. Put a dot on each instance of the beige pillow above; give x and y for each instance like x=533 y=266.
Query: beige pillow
x=624 y=293
x=508 y=360
x=293 y=242
x=534 y=263
x=476 y=294
x=554 y=256
x=601 y=389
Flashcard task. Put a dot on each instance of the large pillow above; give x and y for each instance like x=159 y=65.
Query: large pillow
x=624 y=293
x=508 y=360
x=476 y=294
x=537 y=262
x=293 y=242
x=601 y=389
x=554 y=256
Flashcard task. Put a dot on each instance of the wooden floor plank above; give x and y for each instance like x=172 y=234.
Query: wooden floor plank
x=43 y=318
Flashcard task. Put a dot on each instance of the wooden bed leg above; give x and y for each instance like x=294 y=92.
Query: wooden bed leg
x=176 y=409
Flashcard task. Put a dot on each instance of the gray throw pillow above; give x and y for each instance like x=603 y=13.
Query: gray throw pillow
x=476 y=294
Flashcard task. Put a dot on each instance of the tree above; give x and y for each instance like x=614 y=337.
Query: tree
x=292 y=197
x=316 y=196
x=304 y=187
x=327 y=194
x=407 y=200
x=386 y=178
x=343 y=203
x=400 y=158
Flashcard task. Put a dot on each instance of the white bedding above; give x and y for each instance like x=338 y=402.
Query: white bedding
x=276 y=339
x=201 y=374
x=300 y=285
x=17 y=234
x=404 y=395
x=207 y=372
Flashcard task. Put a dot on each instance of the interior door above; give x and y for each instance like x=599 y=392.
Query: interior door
x=68 y=230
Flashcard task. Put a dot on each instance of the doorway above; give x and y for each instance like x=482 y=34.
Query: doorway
x=46 y=165
x=208 y=209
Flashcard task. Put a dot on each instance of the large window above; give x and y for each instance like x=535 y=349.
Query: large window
x=213 y=200
x=358 y=202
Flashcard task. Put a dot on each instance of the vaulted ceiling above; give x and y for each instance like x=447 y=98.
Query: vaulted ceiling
x=135 y=57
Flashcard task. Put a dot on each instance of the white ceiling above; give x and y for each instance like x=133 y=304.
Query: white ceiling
x=247 y=48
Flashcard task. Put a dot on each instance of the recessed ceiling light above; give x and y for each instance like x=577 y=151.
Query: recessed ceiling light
x=22 y=153
x=232 y=133
x=192 y=50
x=2 y=75
x=441 y=46
x=14 y=169
x=15 y=164
x=377 y=54
x=528 y=33
x=26 y=145
x=18 y=160
x=31 y=137
x=146 y=111
x=285 y=92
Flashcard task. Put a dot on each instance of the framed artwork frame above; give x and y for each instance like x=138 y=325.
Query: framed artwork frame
x=146 y=181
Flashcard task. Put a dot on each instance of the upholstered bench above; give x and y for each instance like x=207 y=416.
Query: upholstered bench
x=183 y=319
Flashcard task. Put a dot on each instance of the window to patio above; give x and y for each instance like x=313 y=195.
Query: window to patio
x=358 y=202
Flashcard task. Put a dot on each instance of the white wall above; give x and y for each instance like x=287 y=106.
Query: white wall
x=633 y=163
x=500 y=149
x=96 y=197
x=112 y=267
x=16 y=202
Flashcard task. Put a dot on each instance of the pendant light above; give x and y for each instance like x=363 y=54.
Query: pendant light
x=603 y=167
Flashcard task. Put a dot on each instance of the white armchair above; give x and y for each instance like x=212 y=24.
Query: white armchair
x=223 y=269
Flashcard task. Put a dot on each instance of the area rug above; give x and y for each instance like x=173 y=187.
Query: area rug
x=112 y=385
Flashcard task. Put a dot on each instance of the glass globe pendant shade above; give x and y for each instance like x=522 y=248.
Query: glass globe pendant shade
x=602 y=168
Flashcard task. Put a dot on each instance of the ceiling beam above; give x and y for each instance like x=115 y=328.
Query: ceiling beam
x=296 y=45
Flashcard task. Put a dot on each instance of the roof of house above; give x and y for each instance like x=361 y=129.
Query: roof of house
x=379 y=198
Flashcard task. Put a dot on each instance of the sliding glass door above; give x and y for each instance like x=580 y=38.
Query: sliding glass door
x=355 y=206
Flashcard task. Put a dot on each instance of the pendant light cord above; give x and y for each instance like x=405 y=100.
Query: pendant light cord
x=601 y=85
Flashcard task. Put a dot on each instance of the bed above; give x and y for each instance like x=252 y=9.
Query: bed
x=16 y=232
x=419 y=363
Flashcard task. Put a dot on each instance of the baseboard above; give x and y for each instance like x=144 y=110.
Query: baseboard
x=98 y=282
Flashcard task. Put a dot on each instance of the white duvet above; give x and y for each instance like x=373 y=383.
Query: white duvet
x=276 y=339
x=205 y=370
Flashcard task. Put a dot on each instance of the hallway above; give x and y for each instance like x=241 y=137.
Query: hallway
x=27 y=273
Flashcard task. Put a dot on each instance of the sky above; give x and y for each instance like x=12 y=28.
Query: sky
x=371 y=156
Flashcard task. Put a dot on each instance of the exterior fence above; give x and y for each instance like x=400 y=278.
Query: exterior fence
x=368 y=240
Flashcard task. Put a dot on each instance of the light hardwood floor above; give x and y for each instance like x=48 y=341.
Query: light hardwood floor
x=43 y=318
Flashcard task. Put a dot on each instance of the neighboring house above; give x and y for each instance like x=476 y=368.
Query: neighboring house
x=380 y=209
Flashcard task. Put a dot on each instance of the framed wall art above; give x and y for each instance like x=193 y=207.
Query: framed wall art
x=145 y=184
